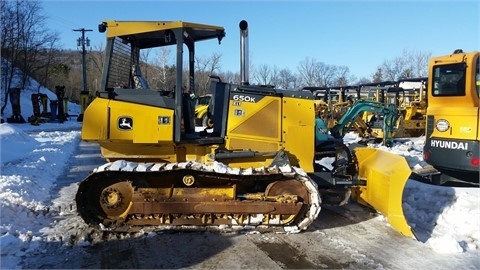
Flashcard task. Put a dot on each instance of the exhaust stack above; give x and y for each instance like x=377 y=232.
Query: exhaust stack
x=244 y=52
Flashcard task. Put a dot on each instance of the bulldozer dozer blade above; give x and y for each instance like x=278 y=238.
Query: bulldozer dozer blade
x=386 y=175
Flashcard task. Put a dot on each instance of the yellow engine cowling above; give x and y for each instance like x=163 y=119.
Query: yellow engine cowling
x=107 y=119
x=130 y=131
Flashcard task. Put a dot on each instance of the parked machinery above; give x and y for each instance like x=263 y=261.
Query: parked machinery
x=408 y=95
x=453 y=119
x=201 y=110
x=410 y=103
x=413 y=107
x=257 y=166
x=330 y=103
x=369 y=124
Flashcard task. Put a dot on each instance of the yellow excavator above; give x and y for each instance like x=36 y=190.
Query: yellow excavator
x=452 y=140
x=410 y=103
x=260 y=164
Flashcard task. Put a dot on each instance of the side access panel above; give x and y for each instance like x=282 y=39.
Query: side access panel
x=139 y=123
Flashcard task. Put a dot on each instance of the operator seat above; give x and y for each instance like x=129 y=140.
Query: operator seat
x=138 y=81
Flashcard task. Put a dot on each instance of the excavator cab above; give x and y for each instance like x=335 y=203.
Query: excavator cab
x=452 y=141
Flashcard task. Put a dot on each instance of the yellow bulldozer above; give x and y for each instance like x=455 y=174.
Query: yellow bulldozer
x=201 y=110
x=257 y=166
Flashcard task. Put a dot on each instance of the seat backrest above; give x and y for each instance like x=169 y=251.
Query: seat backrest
x=138 y=81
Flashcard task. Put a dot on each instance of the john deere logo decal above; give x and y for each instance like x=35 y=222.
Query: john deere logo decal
x=125 y=123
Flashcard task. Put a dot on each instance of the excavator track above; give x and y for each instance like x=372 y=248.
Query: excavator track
x=124 y=196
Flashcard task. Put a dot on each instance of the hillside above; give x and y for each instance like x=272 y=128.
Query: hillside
x=26 y=107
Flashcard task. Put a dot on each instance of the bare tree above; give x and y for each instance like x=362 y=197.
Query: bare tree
x=418 y=62
x=229 y=76
x=392 y=69
x=314 y=73
x=96 y=59
x=45 y=63
x=412 y=63
x=307 y=70
x=163 y=77
x=24 y=41
x=204 y=67
x=263 y=74
x=362 y=80
x=10 y=45
x=325 y=74
x=275 y=79
x=145 y=62
x=378 y=76
x=286 y=79
x=341 y=76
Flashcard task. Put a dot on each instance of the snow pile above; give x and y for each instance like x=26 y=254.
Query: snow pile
x=450 y=215
x=30 y=166
x=446 y=218
x=23 y=142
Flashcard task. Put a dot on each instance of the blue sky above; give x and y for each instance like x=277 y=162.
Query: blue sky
x=356 y=34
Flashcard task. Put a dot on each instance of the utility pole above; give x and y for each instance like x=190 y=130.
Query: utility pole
x=84 y=94
x=82 y=41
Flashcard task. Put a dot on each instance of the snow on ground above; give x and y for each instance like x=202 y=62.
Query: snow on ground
x=34 y=156
x=30 y=165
